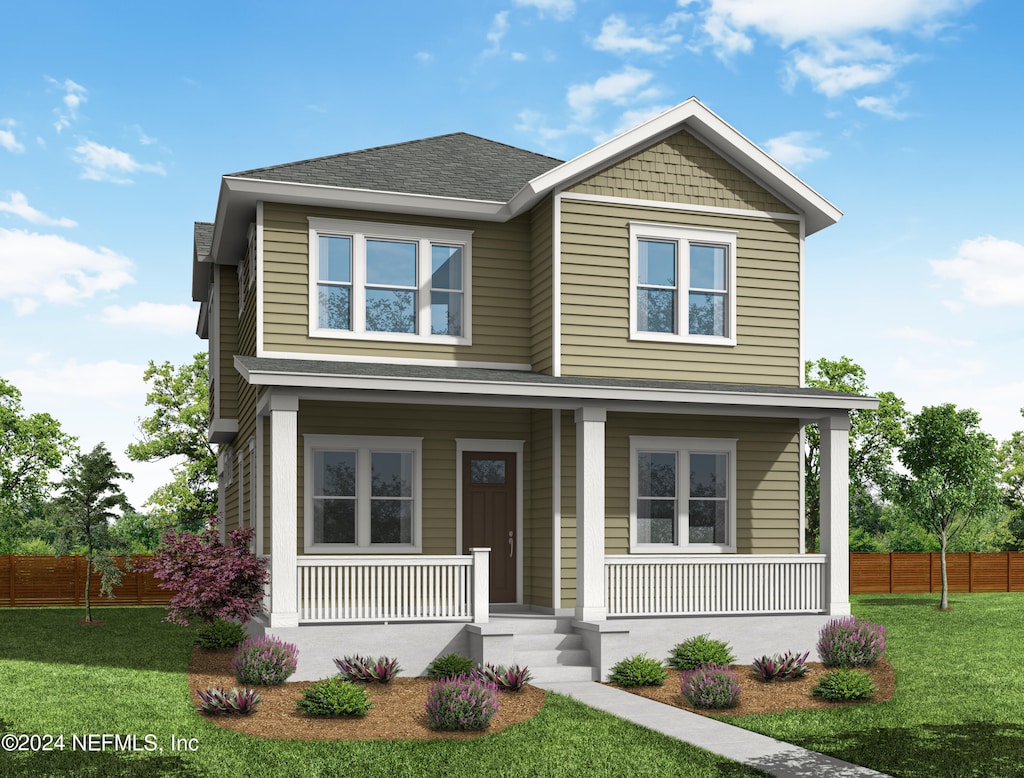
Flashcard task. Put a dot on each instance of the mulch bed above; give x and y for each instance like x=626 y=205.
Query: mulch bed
x=397 y=712
x=760 y=697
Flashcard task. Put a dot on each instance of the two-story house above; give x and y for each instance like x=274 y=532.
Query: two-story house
x=467 y=394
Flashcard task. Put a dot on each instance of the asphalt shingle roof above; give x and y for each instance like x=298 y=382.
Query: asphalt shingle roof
x=203 y=238
x=456 y=165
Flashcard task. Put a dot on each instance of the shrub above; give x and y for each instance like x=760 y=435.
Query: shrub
x=461 y=702
x=700 y=650
x=850 y=641
x=710 y=686
x=220 y=633
x=265 y=661
x=450 y=665
x=334 y=697
x=370 y=669
x=209 y=579
x=507 y=678
x=845 y=684
x=639 y=670
x=218 y=702
x=780 y=666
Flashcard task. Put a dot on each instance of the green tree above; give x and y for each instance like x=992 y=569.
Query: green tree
x=31 y=447
x=874 y=438
x=177 y=427
x=951 y=482
x=84 y=512
x=1011 y=468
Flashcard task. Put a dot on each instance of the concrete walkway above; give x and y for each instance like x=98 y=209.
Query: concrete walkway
x=758 y=751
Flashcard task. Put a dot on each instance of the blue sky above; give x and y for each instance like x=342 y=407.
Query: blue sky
x=116 y=123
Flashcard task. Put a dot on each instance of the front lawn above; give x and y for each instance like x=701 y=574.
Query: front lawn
x=128 y=677
x=959 y=703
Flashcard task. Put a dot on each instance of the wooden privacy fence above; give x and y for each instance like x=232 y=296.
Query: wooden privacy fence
x=34 y=581
x=921 y=573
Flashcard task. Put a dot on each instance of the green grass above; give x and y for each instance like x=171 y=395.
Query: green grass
x=128 y=677
x=959 y=703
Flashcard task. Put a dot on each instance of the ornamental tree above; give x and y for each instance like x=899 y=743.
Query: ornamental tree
x=210 y=579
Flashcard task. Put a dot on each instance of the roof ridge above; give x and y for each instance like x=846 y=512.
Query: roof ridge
x=387 y=146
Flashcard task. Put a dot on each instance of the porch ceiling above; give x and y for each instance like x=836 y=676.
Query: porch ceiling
x=441 y=385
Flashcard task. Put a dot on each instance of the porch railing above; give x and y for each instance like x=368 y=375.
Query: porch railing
x=691 y=585
x=393 y=588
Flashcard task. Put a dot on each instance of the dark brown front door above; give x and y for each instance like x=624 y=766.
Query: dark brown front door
x=489 y=515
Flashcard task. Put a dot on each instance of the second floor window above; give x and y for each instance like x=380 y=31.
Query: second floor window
x=391 y=282
x=682 y=284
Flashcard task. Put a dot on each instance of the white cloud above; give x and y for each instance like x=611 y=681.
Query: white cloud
x=499 y=27
x=47 y=267
x=7 y=139
x=794 y=149
x=106 y=379
x=990 y=271
x=158 y=317
x=105 y=163
x=74 y=96
x=558 y=9
x=144 y=139
x=918 y=335
x=835 y=46
x=617 y=36
x=630 y=119
x=18 y=205
x=424 y=56
x=884 y=106
x=619 y=88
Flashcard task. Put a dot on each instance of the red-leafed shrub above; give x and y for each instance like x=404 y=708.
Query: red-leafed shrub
x=210 y=579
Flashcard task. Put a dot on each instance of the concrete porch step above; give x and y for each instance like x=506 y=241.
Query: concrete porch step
x=554 y=641
x=569 y=657
x=561 y=673
x=534 y=625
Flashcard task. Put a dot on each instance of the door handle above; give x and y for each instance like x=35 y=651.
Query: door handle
x=511 y=545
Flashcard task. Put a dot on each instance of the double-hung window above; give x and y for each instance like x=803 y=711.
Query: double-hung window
x=682 y=494
x=682 y=284
x=362 y=493
x=389 y=282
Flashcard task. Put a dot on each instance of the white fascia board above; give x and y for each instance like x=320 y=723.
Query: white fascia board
x=238 y=197
x=573 y=394
x=708 y=127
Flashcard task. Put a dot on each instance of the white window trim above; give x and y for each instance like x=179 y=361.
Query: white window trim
x=683 y=236
x=682 y=447
x=363 y=445
x=423 y=236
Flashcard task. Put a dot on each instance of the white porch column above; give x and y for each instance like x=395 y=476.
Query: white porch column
x=834 y=515
x=284 y=411
x=481 y=584
x=590 y=428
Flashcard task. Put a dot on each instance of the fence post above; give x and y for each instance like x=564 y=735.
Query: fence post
x=74 y=576
x=11 y=576
x=970 y=571
x=890 y=572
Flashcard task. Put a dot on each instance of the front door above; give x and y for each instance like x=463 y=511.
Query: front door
x=489 y=515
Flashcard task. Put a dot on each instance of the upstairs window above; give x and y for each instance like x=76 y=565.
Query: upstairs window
x=389 y=282
x=682 y=284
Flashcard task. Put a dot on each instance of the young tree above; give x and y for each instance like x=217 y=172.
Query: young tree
x=874 y=437
x=84 y=512
x=1011 y=467
x=209 y=579
x=31 y=447
x=952 y=474
x=179 y=396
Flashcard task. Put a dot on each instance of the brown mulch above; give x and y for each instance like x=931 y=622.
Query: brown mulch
x=397 y=712
x=760 y=697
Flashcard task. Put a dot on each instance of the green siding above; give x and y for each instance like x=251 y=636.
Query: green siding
x=767 y=476
x=537 y=517
x=568 y=535
x=595 y=300
x=226 y=376
x=501 y=289
x=682 y=169
x=542 y=288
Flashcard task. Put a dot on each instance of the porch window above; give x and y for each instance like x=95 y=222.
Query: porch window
x=372 y=281
x=362 y=494
x=682 y=284
x=682 y=494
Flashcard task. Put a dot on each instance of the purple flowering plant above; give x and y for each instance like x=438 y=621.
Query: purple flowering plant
x=264 y=661
x=462 y=702
x=710 y=686
x=851 y=641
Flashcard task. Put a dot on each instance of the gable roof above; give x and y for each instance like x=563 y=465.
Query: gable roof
x=458 y=165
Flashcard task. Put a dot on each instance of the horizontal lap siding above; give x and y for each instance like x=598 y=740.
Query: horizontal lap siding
x=501 y=289
x=537 y=516
x=767 y=476
x=541 y=310
x=439 y=426
x=568 y=533
x=595 y=300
